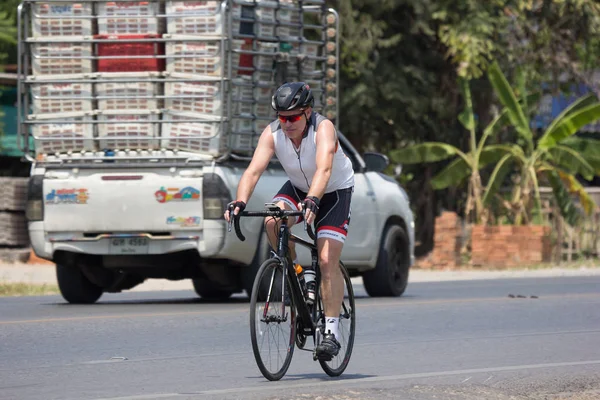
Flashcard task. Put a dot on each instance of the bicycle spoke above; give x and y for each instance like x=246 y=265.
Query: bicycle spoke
x=346 y=329
x=272 y=323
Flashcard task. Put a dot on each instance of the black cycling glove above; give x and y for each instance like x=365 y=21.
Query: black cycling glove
x=311 y=203
x=237 y=203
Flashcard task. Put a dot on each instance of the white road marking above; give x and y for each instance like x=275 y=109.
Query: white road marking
x=311 y=384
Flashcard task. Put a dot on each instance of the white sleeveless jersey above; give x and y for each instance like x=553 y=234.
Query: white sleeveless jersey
x=300 y=165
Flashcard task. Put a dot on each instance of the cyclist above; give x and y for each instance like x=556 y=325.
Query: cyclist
x=321 y=182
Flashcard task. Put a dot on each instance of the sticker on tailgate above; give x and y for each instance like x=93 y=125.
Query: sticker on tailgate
x=164 y=195
x=183 y=221
x=68 y=196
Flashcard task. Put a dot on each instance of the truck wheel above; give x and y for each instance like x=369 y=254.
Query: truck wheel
x=248 y=273
x=207 y=290
x=75 y=287
x=390 y=276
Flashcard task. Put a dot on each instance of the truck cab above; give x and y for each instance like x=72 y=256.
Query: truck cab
x=139 y=118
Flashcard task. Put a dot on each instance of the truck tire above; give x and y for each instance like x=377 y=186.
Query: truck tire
x=207 y=290
x=248 y=273
x=75 y=287
x=390 y=275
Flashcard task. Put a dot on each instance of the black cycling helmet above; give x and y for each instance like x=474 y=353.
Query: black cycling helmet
x=292 y=95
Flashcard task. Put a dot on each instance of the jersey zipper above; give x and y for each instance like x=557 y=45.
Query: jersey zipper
x=300 y=162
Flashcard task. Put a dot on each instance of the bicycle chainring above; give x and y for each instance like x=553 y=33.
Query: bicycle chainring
x=300 y=336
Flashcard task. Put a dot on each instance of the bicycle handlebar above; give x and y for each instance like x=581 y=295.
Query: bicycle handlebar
x=235 y=220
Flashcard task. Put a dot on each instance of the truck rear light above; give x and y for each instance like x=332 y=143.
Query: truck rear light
x=34 y=209
x=215 y=196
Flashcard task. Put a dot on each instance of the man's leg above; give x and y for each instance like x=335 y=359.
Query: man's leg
x=332 y=292
x=332 y=281
x=286 y=199
x=272 y=228
x=332 y=229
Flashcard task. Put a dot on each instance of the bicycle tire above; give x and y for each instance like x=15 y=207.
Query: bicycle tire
x=338 y=364
x=272 y=271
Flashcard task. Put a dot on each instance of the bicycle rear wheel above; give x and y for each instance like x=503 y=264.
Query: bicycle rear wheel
x=347 y=327
x=272 y=321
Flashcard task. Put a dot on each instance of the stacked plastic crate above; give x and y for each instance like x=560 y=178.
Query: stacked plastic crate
x=128 y=86
x=254 y=85
x=197 y=44
x=279 y=46
x=61 y=92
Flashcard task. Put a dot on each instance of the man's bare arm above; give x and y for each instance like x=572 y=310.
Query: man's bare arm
x=260 y=160
x=326 y=140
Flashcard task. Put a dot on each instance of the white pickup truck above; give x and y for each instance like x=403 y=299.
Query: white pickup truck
x=137 y=142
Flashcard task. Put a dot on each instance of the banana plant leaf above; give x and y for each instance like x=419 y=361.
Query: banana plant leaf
x=494 y=127
x=467 y=117
x=425 y=153
x=569 y=125
x=507 y=97
x=563 y=199
x=570 y=160
x=500 y=171
x=574 y=187
x=589 y=149
x=453 y=175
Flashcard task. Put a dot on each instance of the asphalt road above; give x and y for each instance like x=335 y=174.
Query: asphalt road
x=460 y=340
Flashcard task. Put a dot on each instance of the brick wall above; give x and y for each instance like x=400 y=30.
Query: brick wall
x=447 y=241
x=510 y=246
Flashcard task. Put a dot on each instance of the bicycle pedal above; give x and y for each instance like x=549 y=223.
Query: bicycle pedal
x=322 y=357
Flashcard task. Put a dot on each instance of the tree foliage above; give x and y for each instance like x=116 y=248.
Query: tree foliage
x=400 y=61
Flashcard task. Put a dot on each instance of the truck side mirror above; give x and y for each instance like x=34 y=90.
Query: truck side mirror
x=376 y=162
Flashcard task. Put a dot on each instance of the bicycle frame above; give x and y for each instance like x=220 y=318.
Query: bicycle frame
x=305 y=314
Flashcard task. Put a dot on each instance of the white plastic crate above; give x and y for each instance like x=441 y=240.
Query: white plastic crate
x=291 y=16
x=265 y=62
x=260 y=125
x=310 y=50
x=241 y=95
x=197 y=57
x=44 y=22
x=242 y=124
x=131 y=17
x=128 y=91
x=263 y=13
x=249 y=100
x=53 y=57
x=128 y=129
x=318 y=92
x=195 y=18
x=52 y=97
x=198 y=136
x=70 y=132
x=202 y=97
x=244 y=142
x=262 y=98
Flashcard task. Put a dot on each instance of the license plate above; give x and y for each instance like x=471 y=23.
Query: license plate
x=135 y=245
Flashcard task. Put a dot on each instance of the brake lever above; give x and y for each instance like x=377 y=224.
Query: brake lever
x=307 y=227
x=231 y=216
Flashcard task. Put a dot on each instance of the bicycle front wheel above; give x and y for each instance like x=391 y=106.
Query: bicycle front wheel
x=272 y=320
x=346 y=329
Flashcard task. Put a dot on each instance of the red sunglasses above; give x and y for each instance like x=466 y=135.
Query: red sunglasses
x=290 y=118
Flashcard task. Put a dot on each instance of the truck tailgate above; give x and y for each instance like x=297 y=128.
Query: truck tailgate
x=131 y=201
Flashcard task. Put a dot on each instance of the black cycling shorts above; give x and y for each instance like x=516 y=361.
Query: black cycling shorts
x=333 y=216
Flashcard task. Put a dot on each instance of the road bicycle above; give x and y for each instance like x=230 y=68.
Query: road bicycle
x=280 y=317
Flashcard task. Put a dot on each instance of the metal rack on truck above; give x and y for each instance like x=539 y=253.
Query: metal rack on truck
x=170 y=80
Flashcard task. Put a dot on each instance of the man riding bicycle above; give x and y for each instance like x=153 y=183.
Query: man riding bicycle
x=321 y=182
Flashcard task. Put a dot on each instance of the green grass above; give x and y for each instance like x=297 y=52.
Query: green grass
x=26 y=289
